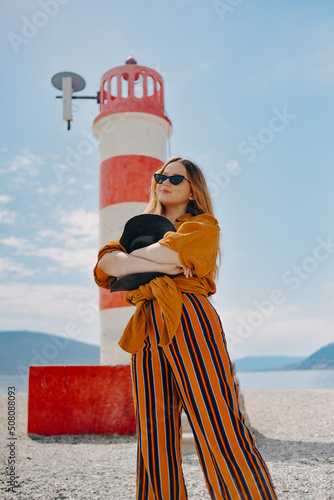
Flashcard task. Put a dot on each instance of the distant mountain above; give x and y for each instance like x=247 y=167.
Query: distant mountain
x=20 y=349
x=260 y=363
x=320 y=360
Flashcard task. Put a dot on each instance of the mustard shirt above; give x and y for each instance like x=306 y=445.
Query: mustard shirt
x=196 y=240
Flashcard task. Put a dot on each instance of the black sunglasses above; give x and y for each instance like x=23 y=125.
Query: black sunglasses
x=173 y=179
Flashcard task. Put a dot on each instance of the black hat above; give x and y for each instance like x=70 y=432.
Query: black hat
x=141 y=231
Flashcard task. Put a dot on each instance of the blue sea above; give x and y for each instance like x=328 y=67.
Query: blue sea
x=268 y=380
x=286 y=380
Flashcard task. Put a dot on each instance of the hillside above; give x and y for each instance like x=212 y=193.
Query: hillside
x=259 y=363
x=319 y=360
x=20 y=349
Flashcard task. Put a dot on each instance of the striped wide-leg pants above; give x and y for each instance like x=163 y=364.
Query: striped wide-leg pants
x=192 y=373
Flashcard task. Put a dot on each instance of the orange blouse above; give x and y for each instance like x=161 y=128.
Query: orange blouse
x=196 y=240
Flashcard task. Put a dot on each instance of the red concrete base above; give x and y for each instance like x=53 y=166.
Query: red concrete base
x=80 y=400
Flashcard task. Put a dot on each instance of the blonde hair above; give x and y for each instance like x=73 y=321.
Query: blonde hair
x=201 y=203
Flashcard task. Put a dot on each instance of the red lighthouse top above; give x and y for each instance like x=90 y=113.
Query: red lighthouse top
x=131 y=88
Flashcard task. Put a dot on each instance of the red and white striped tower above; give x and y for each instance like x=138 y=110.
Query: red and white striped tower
x=132 y=128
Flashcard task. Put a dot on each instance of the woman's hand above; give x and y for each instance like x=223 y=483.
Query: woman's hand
x=174 y=270
x=188 y=272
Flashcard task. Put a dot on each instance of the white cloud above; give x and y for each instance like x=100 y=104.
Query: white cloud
x=23 y=247
x=14 y=269
x=26 y=161
x=79 y=229
x=51 y=234
x=78 y=223
x=81 y=223
x=8 y=216
x=59 y=309
x=71 y=260
x=279 y=331
x=73 y=247
x=5 y=198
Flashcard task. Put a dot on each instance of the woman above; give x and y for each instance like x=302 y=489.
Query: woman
x=179 y=357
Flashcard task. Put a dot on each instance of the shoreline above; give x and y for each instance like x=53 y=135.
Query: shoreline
x=252 y=380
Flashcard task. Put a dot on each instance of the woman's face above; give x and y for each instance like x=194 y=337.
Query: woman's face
x=168 y=194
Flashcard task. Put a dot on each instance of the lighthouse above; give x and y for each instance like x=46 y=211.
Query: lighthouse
x=132 y=128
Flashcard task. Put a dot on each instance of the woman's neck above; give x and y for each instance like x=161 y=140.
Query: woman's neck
x=173 y=213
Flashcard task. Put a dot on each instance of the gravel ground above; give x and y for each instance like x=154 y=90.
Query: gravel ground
x=293 y=429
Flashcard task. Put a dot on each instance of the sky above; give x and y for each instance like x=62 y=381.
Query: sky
x=249 y=90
